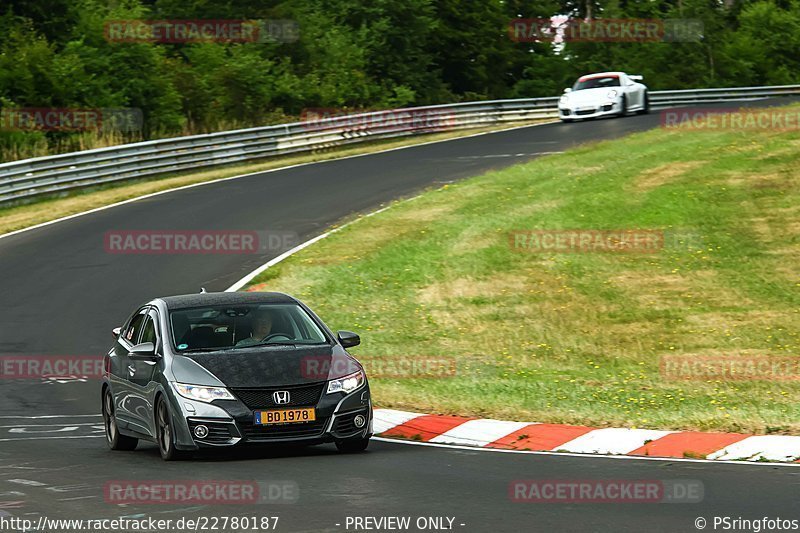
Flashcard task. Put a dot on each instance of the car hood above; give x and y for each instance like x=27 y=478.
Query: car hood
x=264 y=367
x=591 y=96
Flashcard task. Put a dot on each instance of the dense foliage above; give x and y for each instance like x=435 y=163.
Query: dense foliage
x=361 y=54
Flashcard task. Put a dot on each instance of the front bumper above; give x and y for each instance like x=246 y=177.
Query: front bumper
x=604 y=109
x=231 y=422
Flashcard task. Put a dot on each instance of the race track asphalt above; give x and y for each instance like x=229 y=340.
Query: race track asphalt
x=62 y=293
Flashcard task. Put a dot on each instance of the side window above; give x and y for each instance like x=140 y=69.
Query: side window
x=133 y=329
x=149 y=331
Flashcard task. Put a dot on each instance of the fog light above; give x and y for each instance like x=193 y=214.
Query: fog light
x=359 y=421
x=201 y=431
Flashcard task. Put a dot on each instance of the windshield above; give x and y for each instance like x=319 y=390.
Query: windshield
x=242 y=326
x=597 y=82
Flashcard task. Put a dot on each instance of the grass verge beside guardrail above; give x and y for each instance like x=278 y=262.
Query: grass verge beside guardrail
x=582 y=337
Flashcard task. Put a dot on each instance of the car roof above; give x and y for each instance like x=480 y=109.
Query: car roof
x=225 y=298
x=601 y=74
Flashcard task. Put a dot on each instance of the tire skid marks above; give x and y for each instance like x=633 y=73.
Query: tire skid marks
x=41 y=483
x=25 y=487
x=50 y=427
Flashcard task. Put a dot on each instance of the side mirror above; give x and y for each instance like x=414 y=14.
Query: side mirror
x=116 y=332
x=636 y=77
x=143 y=351
x=348 y=339
x=567 y=90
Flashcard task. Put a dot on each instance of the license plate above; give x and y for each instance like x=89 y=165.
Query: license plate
x=285 y=416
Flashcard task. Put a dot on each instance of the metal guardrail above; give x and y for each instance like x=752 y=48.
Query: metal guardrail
x=24 y=179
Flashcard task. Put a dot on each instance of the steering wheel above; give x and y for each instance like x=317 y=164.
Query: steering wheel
x=274 y=335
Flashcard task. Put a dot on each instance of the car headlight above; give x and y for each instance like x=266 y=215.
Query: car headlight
x=203 y=394
x=563 y=100
x=347 y=384
x=611 y=94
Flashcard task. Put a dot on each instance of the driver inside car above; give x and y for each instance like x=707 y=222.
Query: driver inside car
x=262 y=328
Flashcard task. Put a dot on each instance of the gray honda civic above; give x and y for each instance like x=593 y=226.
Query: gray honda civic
x=215 y=370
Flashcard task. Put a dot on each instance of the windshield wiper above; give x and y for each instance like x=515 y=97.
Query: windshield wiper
x=195 y=350
x=265 y=344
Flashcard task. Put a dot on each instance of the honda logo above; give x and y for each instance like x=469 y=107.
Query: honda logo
x=281 y=397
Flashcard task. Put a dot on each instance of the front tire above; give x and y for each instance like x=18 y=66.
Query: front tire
x=355 y=445
x=623 y=108
x=165 y=434
x=115 y=439
x=646 y=106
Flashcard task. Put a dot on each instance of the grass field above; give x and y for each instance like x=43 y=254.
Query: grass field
x=581 y=337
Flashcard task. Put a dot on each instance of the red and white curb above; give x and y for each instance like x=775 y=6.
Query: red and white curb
x=530 y=436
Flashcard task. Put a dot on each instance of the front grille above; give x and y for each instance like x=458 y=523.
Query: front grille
x=585 y=112
x=218 y=433
x=260 y=398
x=255 y=433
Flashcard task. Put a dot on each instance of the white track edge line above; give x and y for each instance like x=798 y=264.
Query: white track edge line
x=274 y=261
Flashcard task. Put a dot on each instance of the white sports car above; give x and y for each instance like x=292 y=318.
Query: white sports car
x=602 y=94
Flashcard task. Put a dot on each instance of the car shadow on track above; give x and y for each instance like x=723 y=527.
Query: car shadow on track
x=249 y=452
